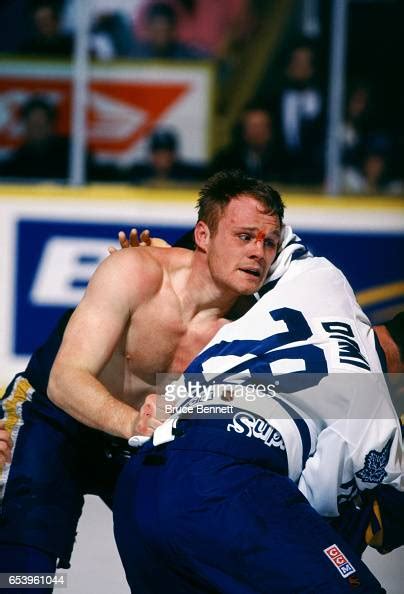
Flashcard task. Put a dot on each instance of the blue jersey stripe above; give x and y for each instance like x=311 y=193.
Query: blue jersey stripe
x=301 y=426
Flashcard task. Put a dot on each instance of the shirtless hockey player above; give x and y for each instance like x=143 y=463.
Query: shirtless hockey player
x=142 y=314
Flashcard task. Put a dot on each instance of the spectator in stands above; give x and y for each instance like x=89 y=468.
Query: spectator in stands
x=43 y=154
x=111 y=36
x=162 y=39
x=357 y=124
x=298 y=117
x=164 y=166
x=209 y=26
x=374 y=175
x=253 y=149
x=48 y=39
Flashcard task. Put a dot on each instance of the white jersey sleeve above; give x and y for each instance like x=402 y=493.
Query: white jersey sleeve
x=357 y=451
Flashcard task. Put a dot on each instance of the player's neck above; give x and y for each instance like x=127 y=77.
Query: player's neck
x=199 y=293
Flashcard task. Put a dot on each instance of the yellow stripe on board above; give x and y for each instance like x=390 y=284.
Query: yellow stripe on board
x=180 y=194
x=382 y=293
x=95 y=192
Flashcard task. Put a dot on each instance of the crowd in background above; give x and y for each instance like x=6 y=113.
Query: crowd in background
x=280 y=135
x=134 y=28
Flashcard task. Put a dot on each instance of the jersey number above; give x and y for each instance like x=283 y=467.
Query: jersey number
x=306 y=358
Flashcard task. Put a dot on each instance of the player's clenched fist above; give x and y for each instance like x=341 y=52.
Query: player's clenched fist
x=146 y=421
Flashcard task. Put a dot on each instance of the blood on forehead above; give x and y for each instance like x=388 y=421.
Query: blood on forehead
x=260 y=235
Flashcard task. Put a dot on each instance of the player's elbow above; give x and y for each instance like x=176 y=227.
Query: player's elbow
x=57 y=385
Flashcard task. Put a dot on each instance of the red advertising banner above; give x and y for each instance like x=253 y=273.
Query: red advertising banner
x=125 y=103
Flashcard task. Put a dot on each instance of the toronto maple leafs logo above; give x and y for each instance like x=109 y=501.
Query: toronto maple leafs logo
x=375 y=464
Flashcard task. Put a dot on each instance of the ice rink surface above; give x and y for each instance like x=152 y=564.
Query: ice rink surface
x=96 y=567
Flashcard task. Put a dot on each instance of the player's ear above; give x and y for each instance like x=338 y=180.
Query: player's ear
x=202 y=235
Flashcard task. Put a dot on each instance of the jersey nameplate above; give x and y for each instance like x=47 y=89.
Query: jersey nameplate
x=348 y=349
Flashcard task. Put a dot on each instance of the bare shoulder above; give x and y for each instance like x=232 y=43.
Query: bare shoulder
x=151 y=264
x=138 y=268
x=155 y=260
x=152 y=260
x=141 y=259
x=138 y=273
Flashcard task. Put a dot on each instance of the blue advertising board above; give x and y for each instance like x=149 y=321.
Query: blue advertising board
x=43 y=294
x=370 y=261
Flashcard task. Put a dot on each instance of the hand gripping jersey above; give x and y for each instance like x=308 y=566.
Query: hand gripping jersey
x=330 y=402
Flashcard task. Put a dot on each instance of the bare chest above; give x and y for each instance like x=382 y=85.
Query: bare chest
x=161 y=341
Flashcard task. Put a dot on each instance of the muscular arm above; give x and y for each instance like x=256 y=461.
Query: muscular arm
x=120 y=285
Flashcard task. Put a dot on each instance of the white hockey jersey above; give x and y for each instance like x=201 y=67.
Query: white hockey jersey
x=340 y=429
